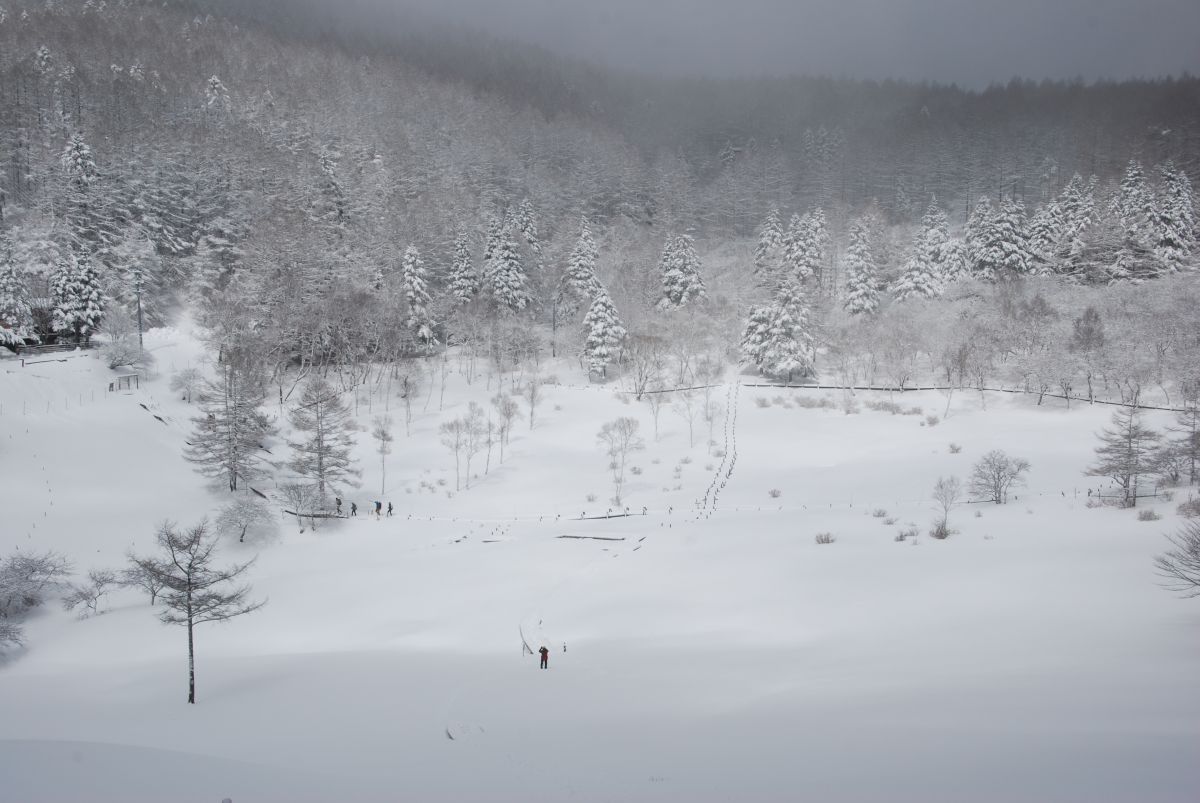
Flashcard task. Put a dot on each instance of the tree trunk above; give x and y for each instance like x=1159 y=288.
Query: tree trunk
x=191 y=664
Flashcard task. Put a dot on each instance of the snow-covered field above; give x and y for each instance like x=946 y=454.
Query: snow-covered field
x=714 y=652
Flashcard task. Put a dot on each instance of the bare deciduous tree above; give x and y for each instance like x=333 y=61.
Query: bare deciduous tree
x=947 y=493
x=1179 y=567
x=532 y=394
x=246 y=513
x=87 y=596
x=454 y=436
x=25 y=581
x=137 y=576
x=381 y=431
x=995 y=475
x=506 y=412
x=619 y=437
x=686 y=405
x=194 y=590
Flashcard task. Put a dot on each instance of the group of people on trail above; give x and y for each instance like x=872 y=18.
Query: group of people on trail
x=354 y=507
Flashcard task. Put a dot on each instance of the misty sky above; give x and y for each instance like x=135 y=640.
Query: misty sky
x=971 y=42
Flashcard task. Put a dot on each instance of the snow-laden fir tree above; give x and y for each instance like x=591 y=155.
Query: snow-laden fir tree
x=1173 y=220
x=862 y=275
x=526 y=224
x=16 y=322
x=464 y=283
x=218 y=254
x=788 y=351
x=954 y=261
x=769 y=250
x=323 y=456
x=978 y=234
x=603 y=334
x=82 y=208
x=420 y=322
x=227 y=441
x=755 y=335
x=1134 y=207
x=78 y=298
x=1078 y=208
x=506 y=277
x=1006 y=251
x=804 y=247
x=579 y=284
x=919 y=278
x=1045 y=233
x=680 y=269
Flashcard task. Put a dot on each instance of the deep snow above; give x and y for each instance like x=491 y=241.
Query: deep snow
x=716 y=653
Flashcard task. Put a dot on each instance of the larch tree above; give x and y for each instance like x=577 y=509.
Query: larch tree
x=323 y=457
x=603 y=334
x=227 y=441
x=194 y=590
x=862 y=274
x=1126 y=453
x=680 y=273
x=414 y=280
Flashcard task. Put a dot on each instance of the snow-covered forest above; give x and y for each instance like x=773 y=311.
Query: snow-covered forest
x=264 y=284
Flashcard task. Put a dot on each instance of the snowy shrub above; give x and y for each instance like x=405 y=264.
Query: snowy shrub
x=87 y=597
x=879 y=513
x=979 y=514
x=955 y=448
x=708 y=466
x=822 y=403
x=849 y=405
x=635 y=471
x=656 y=461
x=932 y=420
x=913 y=411
x=121 y=347
x=591 y=497
x=911 y=532
x=890 y=520
x=187 y=383
x=1148 y=515
x=825 y=538
x=774 y=493
x=1189 y=509
x=885 y=407
x=718 y=453
x=1180 y=566
x=940 y=530
x=26 y=579
x=899 y=537
x=684 y=461
x=763 y=402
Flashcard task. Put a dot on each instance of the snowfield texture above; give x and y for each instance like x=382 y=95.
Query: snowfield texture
x=709 y=650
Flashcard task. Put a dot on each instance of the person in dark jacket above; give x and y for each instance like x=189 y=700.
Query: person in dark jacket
x=545 y=653
x=389 y=508
x=354 y=508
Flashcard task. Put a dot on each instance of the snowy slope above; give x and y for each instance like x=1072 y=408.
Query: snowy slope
x=715 y=653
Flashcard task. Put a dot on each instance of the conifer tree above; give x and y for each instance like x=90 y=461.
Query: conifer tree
x=1005 y=252
x=862 y=281
x=603 y=334
x=769 y=250
x=16 y=322
x=227 y=441
x=680 y=267
x=1135 y=210
x=579 y=284
x=527 y=226
x=755 y=335
x=978 y=234
x=788 y=350
x=1126 y=452
x=464 y=283
x=420 y=322
x=77 y=296
x=1173 y=220
x=323 y=457
x=508 y=284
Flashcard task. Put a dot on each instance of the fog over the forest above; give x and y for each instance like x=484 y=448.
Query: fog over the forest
x=969 y=43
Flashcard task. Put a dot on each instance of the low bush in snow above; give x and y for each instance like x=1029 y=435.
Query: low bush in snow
x=1148 y=515
x=879 y=513
x=1189 y=509
x=825 y=538
x=775 y=493
x=955 y=448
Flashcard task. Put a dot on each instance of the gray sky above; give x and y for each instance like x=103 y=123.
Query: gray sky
x=971 y=42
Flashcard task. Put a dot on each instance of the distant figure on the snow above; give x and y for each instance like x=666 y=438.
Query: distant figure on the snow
x=337 y=500
x=545 y=653
x=354 y=508
x=389 y=508
x=378 y=509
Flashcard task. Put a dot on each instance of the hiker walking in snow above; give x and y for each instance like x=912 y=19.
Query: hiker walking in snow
x=545 y=653
x=337 y=500
x=354 y=508
x=378 y=509
x=389 y=508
